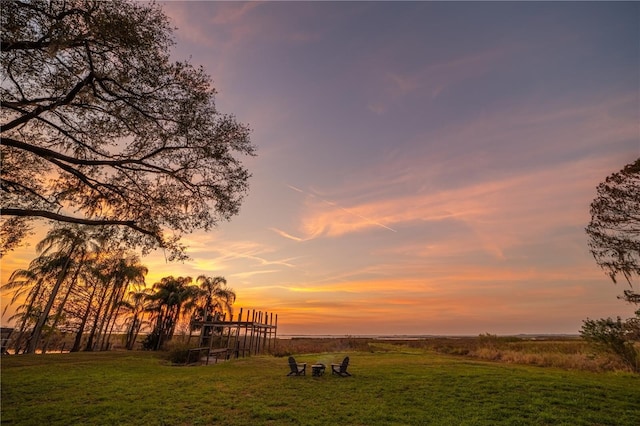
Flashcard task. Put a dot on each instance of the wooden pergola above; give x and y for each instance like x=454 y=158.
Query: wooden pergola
x=5 y=335
x=222 y=339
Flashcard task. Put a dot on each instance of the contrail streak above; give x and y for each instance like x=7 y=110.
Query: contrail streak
x=333 y=204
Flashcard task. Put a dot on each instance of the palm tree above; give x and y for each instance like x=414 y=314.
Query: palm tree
x=170 y=300
x=92 y=280
x=68 y=257
x=215 y=297
x=101 y=279
x=127 y=272
x=79 y=267
x=30 y=283
x=73 y=243
x=116 y=271
x=136 y=306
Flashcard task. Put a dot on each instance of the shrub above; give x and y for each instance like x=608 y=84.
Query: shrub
x=616 y=337
x=179 y=353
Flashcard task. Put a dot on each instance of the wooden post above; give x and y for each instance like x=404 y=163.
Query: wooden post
x=237 y=342
x=210 y=345
x=246 y=332
x=275 y=333
x=254 y=335
x=258 y=334
x=264 y=332
x=228 y=339
x=271 y=329
x=251 y=325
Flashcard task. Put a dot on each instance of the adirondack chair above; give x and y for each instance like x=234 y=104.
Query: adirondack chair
x=297 y=369
x=341 y=369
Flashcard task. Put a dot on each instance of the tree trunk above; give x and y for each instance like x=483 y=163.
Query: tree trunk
x=113 y=324
x=58 y=314
x=94 y=328
x=113 y=316
x=107 y=315
x=131 y=333
x=26 y=317
x=160 y=327
x=37 y=330
x=77 y=342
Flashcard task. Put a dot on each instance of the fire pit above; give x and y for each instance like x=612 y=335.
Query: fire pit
x=317 y=369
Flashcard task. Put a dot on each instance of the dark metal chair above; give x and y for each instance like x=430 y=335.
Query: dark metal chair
x=341 y=369
x=297 y=369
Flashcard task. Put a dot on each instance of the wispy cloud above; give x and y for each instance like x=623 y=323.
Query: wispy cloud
x=245 y=275
x=319 y=203
x=498 y=215
x=289 y=236
x=476 y=174
x=434 y=78
x=234 y=24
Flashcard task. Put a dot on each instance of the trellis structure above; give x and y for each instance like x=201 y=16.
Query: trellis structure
x=5 y=335
x=249 y=334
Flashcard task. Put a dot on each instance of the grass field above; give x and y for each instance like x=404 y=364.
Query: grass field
x=391 y=385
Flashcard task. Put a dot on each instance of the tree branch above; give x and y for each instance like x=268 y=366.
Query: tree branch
x=7 y=45
x=49 y=153
x=82 y=221
x=40 y=109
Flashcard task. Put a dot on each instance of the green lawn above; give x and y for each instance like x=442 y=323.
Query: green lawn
x=402 y=387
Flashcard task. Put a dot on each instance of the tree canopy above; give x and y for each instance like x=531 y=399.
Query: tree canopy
x=100 y=127
x=614 y=230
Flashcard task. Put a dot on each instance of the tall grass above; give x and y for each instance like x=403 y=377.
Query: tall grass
x=566 y=352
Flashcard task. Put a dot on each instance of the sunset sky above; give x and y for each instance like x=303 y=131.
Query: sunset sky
x=422 y=168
